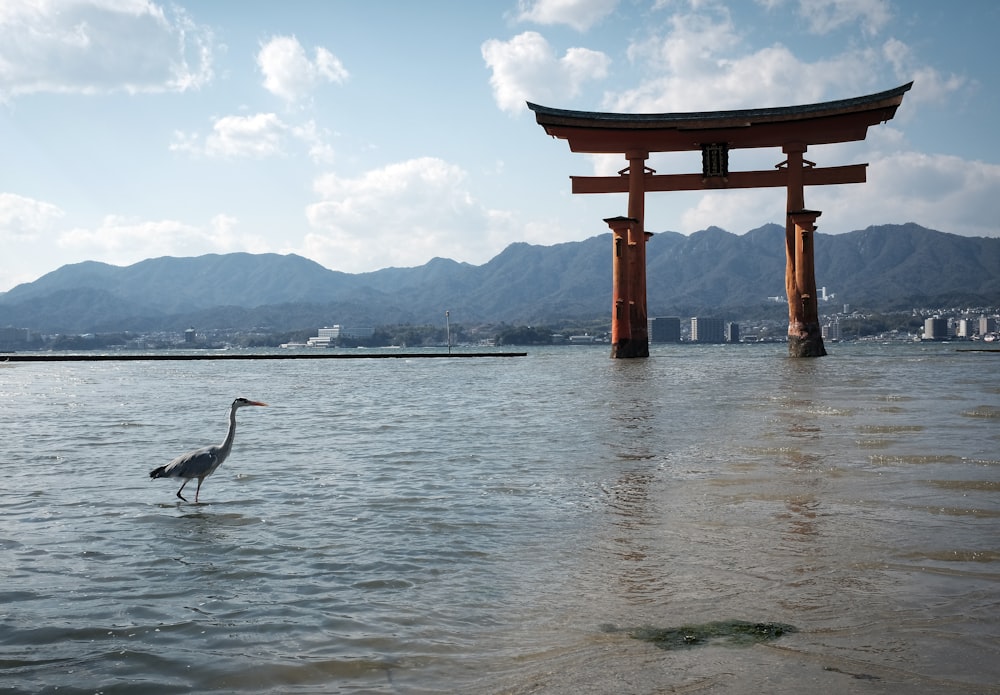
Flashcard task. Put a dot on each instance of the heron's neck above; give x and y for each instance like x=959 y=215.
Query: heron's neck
x=231 y=434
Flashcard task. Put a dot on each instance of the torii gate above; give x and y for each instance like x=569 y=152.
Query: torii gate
x=715 y=133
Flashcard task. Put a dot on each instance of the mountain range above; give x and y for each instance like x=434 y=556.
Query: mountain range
x=711 y=271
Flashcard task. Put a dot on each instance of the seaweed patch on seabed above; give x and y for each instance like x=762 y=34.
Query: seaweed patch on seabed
x=733 y=633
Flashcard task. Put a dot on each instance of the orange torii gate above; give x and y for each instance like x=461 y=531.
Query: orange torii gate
x=715 y=133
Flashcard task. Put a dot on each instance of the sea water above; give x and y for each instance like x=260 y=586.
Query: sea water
x=507 y=524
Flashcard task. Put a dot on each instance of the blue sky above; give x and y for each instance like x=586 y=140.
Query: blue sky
x=365 y=135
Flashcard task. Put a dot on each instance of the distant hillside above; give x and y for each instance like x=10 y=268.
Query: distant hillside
x=709 y=271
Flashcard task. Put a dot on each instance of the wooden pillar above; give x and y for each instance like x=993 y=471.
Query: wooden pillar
x=638 y=345
x=805 y=338
x=622 y=252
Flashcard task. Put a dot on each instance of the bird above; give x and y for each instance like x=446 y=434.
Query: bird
x=202 y=462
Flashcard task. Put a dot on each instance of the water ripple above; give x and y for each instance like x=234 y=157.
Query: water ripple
x=419 y=526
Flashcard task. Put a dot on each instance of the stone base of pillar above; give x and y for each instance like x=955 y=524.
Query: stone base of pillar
x=627 y=349
x=807 y=343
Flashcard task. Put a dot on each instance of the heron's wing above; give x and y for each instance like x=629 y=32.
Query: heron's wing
x=194 y=463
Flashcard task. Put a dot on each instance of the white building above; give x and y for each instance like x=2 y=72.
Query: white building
x=831 y=331
x=935 y=328
x=325 y=337
x=987 y=324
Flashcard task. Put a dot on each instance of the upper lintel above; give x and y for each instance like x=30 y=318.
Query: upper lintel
x=845 y=120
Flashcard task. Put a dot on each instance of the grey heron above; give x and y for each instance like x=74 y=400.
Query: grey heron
x=202 y=462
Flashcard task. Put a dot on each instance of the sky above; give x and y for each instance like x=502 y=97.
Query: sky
x=366 y=135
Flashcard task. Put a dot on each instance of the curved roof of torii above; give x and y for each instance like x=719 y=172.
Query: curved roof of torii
x=845 y=120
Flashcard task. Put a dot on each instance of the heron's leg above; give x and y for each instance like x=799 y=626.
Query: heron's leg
x=182 y=489
x=197 y=490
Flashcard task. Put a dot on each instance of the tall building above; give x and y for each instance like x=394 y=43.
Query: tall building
x=665 y=330
x=935 y=328
x=732 y=332
x=707 y=330
x=987 y=324
x=831 y=331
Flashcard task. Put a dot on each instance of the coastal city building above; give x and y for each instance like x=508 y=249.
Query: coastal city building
x=665 y=329
x=707 y=330
x=732 y=332
x=831 y=331
x=935 y=328
x=325 y=337
x=987 y=325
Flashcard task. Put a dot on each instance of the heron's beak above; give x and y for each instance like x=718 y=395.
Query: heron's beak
x=257 y=403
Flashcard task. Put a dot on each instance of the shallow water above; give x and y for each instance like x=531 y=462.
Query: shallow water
x=466 y=525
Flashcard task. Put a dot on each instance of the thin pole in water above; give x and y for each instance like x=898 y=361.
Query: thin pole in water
x=447 y=328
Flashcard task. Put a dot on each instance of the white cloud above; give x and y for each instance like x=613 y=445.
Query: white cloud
x=579 y=14
x=25 y=218
x=942 y=192
x=123 y=240
x=316 y=139
x=403 y=214
x=116 y=239
x=526 y=68
x=824 y=16
x=700 y=63
x=930 y=86
x=257 y=136
x=98 y=47
x=736 y=211
x=290 y=74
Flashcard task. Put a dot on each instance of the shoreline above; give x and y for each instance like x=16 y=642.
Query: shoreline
x=253 y=356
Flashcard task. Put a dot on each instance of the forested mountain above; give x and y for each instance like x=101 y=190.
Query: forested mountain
x=883 y=267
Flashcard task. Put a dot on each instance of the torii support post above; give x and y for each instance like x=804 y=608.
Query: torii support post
x=805 y=339
x=716 y=133
x=629 y=327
